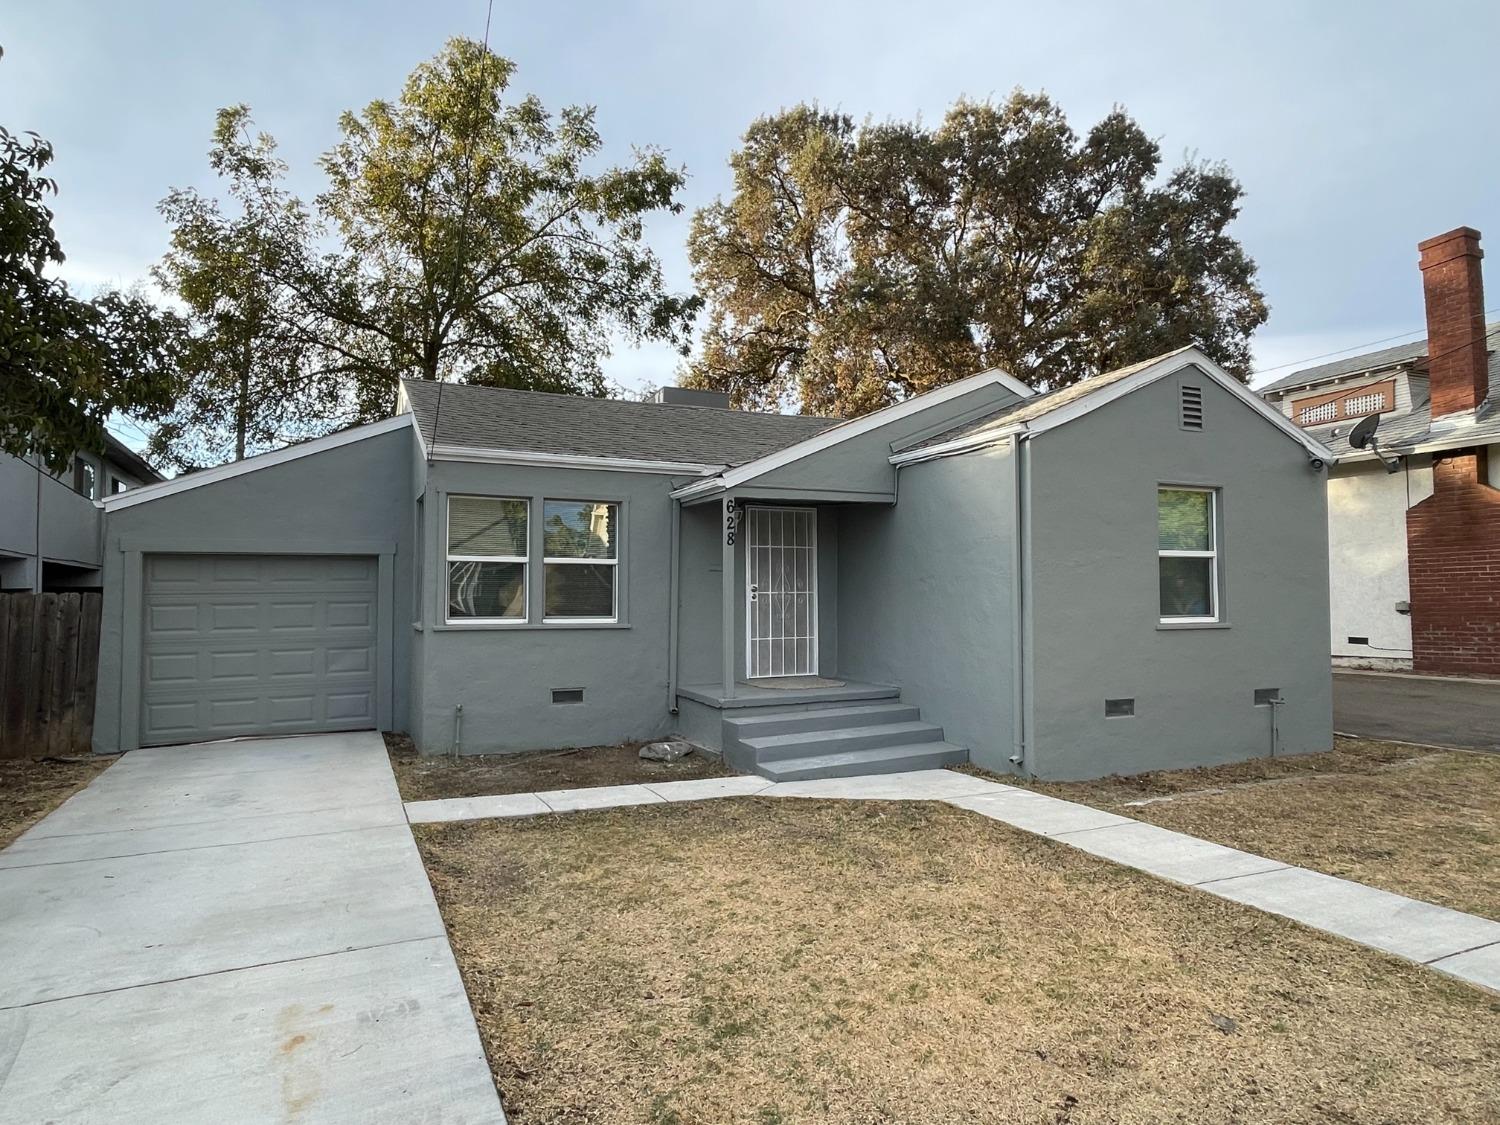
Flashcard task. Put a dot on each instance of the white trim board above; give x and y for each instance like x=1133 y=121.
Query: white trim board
x=149 y=492
x=834 y=435
x=1167 y=365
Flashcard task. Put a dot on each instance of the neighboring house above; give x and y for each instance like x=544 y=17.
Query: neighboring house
x=1124 y=575
x=50 y=527
x=1415 y=552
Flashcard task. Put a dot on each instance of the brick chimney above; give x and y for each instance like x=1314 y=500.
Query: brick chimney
x=1453 y=288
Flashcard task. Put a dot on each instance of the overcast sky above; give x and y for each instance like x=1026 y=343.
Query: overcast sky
x=1357 y=128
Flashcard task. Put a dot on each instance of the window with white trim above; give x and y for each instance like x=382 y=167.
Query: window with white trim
x=487 y=550
x=580 y=560
x=1187 y=554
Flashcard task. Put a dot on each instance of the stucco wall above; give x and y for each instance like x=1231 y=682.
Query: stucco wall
x=1367 y=556
x=69 y=522
x=925 y=597
x=503 y=675
x=354 y=494
x=1095 y=591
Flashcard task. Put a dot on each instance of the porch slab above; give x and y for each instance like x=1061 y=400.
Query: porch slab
x=747 y=694
x=915 y=785
x=598 y=797
x=1036 y=812
x=1416 y=930
x=707 y=788
x=1169 y=855
x=475 y=808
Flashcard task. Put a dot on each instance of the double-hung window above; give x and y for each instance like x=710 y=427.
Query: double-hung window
x=487 y=547
x=1188 y=554
x=581 y=559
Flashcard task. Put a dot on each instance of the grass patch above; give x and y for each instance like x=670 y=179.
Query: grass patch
x=30 y=788
x=484 y=775
x=1418 y=822
x=758 y=960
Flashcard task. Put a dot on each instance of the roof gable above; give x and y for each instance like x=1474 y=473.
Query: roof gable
x=1006 y=384
x=1056 y=408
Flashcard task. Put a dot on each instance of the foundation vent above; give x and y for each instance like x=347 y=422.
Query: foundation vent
x=1265 y=696
x=567 y=695
x=1190 y=402
x=1117 y=708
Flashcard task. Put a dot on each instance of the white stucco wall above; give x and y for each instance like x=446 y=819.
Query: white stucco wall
x=1367 y=556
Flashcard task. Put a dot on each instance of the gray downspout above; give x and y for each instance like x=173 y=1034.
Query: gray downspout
x=36 y=565
x=673 y=581
x=1021 y=597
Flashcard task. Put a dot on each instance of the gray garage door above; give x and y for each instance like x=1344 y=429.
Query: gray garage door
x=256 y=644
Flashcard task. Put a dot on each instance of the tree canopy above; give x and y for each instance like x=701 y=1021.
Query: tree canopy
x=252 y=377
x=477 y=245
x=854 y=266
x=66 y=364
x=463 y=235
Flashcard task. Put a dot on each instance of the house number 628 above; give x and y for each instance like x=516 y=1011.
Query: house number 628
x=731 y=522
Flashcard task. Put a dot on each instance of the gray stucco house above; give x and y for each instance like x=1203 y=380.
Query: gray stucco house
x=1124 y=575
x=51 y=530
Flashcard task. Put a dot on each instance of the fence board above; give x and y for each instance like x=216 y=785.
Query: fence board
x=49 y=663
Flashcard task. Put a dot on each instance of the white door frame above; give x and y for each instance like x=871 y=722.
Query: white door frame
x=812 y=591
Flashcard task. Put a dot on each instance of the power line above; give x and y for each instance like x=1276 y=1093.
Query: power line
x=1357 y=347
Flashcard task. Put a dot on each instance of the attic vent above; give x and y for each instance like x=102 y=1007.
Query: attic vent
x=1192 y=407
x=1115 y=708
x=1265 y=696
x=567 y=695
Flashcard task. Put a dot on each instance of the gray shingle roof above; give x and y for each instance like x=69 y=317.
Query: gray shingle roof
x=1403 y=431
x=1369 y=361
x=1031 y=408
x=534 y=422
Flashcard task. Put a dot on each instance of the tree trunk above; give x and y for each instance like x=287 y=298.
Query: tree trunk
x=242 y=405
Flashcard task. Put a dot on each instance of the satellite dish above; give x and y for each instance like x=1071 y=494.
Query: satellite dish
x=1363 y=435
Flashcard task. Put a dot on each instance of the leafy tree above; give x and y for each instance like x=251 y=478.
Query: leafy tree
x=853 y=267
x=66 y=364
x=254 y=377
x=476 y=245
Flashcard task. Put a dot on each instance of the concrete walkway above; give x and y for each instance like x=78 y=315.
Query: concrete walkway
x=235 y=932
x=1461 y=945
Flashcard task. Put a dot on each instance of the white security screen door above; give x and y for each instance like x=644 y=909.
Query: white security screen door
x=781 y=572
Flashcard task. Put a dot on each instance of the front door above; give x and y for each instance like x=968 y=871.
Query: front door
x=781 y=576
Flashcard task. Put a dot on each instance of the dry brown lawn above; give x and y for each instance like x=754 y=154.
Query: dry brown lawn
x=1418 y=822
x=776 y=961
x=30 y=788
x=484 y=775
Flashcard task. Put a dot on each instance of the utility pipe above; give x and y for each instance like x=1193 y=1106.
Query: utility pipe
x=673 y=584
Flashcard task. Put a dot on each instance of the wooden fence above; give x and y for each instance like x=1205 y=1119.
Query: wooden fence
x=49 y=664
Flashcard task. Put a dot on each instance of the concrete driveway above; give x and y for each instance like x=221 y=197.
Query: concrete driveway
x=1440 y=712
x=232 y=932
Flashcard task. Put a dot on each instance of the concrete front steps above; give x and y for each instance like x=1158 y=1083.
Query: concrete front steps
x=837 y=741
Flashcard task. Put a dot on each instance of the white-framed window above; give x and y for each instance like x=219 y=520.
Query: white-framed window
x=580 y=560
x=1188 y=554
x=85 y=478
x=487 y=551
